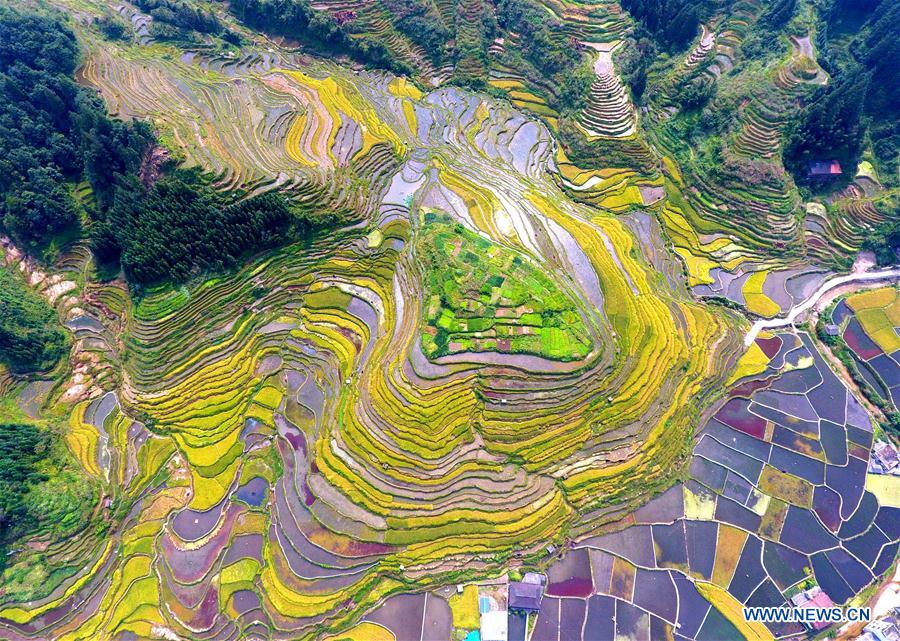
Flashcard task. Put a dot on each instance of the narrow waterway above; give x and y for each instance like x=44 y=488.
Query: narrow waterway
x=887 y=275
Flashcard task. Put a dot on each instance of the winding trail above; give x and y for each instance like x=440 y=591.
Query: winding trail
x=887 y=275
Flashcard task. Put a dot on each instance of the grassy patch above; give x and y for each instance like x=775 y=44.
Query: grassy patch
x=784 y=486
x=482 y=297
x=886 y=488
x=752 y=362
x=757 y=301
x=464 y=608
x=731 y=609
x=31 y=337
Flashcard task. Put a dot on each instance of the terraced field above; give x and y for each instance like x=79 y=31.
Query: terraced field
x=609 y=111
x=499 y=351
x=868 y=324
x=316 y=448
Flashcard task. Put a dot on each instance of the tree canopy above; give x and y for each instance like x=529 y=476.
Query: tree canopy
x=180 y=226
x=31 y=337
x=22 y=446
x=831 y=127
x=297 y=19
x=53 y=133
x=672 y=24
x=857 y=44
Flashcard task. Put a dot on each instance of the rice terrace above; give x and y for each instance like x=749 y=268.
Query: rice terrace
x=449 y=320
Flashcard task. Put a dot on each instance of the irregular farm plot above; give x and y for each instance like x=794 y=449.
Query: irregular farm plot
x=836 y=525
x=869 y=323
x=483 y=297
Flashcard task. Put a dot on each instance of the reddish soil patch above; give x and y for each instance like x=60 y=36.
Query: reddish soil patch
x=769 y=346
x=152 y=164
x=735 y=414
x=747 y=389
x=858 y=344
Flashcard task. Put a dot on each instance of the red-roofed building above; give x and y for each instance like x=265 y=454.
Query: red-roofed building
x=814 y=598
x=824 y=168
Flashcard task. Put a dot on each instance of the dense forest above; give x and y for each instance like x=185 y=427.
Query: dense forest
x=53 y=133
x=181 y=226
x=175 y=19
x=858 y=45
x=885 y=240
x=41 y=133
x=671 y=24
x=831 y=127
x=31 y=337
x=40 y=490
x=22 y=446
x=298 y=20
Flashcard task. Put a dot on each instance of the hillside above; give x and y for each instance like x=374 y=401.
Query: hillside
x=335 y=306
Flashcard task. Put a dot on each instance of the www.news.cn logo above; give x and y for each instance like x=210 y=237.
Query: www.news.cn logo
x=808 y=615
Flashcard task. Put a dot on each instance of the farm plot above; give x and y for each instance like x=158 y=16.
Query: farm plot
x=759 y=519
x=483 y=298
x=870 y=326
x=609 y=111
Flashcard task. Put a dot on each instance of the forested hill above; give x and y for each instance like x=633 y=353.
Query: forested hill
x=54 y=134
x=857 y=43
x=672 y=24
x=67 y=170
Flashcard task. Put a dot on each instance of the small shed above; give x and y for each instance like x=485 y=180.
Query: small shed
x=832 y=330
x=525 y=596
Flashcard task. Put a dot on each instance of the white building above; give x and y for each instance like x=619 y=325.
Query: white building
x=884 y=629
x=494 y=626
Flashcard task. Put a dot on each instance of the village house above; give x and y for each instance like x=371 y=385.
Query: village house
x=813 y=598
x=824 y=168
x=884 y=459
x=525 y=596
